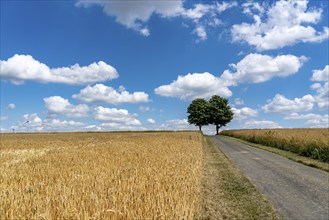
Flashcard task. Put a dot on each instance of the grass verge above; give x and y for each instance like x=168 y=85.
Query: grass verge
x=290 y=155
x=227 y=193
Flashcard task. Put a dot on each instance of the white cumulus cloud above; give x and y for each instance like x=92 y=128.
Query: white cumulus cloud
x=33 y=123
x=284 y=23
x=322 y=89
x=29 y=123
x=114 y=115
x=243 y=113
x=59 y=105
x=257 y=68
x=100 y=93
x=136 y=14
x=177 y=124
x=114 y=119
x=261 y=124
x=65 y=125
x=283 y=105
x=31 y=119
x=253 y=68
x=195 y=85
x=322 y=95
x=151 y=121
x=11 y=106
x=21 y=68
x=114 y=126
x=315 y=120
x=321 y=75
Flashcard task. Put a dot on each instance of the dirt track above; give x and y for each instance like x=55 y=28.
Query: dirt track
x=295 y=190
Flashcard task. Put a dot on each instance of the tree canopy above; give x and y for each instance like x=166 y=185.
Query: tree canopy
x=216 y=111
x=220 y=112
x=198 y=113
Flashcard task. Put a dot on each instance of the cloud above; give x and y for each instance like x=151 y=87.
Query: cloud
x=31 y=120
x=206 y=15
x=115 y=116
x=315 y=120
x=135 y=15
x=114 y=126
x=100 y=93
x=92 y=128
x=200 y=10
x=238 y=101
x=11 y=106
x=322 y=94
x=250 y=8
x=59 y=105
x=261 y=124
x=151 y=121
x=29 y=123
x=195 y=85
x=321 y=75
x=144 y=108
x=244 y=113
x=283 y=24
x=116 y=119
x=257 y=68
x=33 y=123
x=177 y=124
x=296 y=116
x=201 y=33
x=58 y=125
x=322 y=90
x=283 y=105
x=3 y=118
x=21 y=68
x=253 y=68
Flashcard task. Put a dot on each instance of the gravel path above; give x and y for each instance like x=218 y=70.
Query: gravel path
x=295 y=190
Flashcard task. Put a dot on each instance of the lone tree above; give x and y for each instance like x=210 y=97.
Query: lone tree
x=219 y=112
x=198 y=113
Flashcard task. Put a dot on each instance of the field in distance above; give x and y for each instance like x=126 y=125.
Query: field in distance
x=132 y=175
x=308 y=142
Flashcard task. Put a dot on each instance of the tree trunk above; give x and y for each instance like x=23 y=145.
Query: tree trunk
x=199 y=127
x=217 y=128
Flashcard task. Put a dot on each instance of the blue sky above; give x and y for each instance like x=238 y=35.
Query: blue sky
x=123 y=65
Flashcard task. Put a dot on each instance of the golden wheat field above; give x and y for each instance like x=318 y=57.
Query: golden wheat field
x=100 y=175
x=302 y=134
x=309 y=142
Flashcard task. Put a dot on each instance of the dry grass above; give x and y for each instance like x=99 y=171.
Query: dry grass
x=313 y=143
x=227 y=193
x=100 y=175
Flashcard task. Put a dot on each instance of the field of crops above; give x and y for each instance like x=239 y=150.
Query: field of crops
x=100 y=175
x=311 y=142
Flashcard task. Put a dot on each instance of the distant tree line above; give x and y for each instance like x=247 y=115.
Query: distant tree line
x=216 y=111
